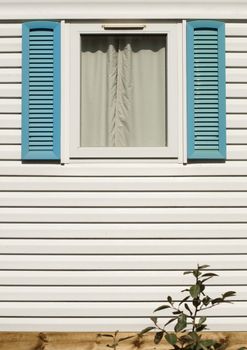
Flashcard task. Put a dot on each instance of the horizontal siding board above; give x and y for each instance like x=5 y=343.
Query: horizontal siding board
x=236 y=59
x=115 y=278
x=235 y=121
x=237 y=137
x=235 y=90
x=130 y=169
x=10 y=121
x=237 y=152
x=10 y=90
x=236 y=106
x=105 y=325
x=10 y=136
x=237 y=44
x=10 y=152
x=125 y=199
x=10 y=105
x=107 y=294
x=123 y=246
x=10 y=75
x=134 y=230
x=10 y=29
x=74 y=215
x=236 y=75
x=10 y=60
x=111 y=262
x=10 y=44
x=118 y=309
x=236 y=29
x=67 y=184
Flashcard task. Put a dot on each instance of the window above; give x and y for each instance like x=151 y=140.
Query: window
x=124 y=90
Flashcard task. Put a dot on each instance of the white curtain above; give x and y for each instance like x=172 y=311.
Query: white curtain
x=123 y=91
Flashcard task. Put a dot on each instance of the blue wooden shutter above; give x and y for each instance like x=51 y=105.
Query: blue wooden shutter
x=206 y=90
x=41 y=91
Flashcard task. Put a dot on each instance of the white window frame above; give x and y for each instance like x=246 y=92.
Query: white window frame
x=173 y=32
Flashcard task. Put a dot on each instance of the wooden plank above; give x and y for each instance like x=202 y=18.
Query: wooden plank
x=148 y=215
x=117 y=278
x=236 y=121
x=107 y=309
x=124 y=199
x=10 y=90
x=236 y=59
x=238 y=44
x=131 y=262
x=10 y=60
x=237 y=137
x=105 y=324
x=10 y=29
x=122 y=246
x=134 y=230
x=108 y=294
x=93 y=341
x=236 y=90
x=10 y=44
x=10 y=75
x=67 y=184
x=10 y=136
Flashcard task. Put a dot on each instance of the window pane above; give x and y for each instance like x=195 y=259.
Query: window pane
x=123 y=91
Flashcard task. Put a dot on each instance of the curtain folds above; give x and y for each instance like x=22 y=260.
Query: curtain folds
x=123 y=91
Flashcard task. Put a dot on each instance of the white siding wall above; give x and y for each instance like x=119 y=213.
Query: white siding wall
x=97 y=246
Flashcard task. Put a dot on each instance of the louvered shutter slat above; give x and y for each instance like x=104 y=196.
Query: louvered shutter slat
x=206 y=90
x=41 y=91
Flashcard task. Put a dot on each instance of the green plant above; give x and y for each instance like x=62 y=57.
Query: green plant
x=115 y=339
x=187 y=315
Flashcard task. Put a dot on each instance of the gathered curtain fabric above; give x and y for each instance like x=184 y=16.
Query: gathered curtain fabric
x=123 y=91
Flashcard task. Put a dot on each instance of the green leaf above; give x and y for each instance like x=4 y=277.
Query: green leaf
x=228 y=294
x=202 y=267
x=206 y=300
x=202 y=320
x=217 y=301
x=162 y=307
x=210 y=274
x=177 y=312
x=154 y=319
x=196 y=302
x=181 y=324
x=170 y=321
x=207 y=342
x=201 y=327
x=171 y=338
x=242 y=348
x=187 y=272
x=196 y=273
x=187 y=308
x=146 y=330
x=158 y=337
x=169 y=299
x=194 y=336
x=195 y=290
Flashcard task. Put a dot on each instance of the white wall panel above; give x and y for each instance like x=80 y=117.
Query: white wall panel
x=84 y=243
